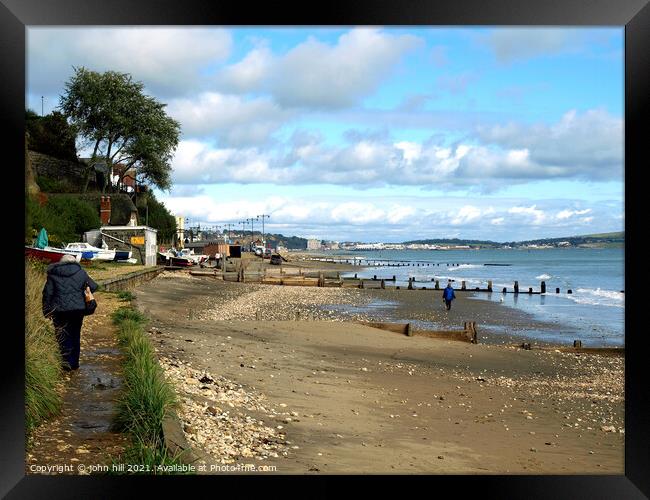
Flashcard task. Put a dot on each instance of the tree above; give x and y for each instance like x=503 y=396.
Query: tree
x=122 y=124
x=51 y=135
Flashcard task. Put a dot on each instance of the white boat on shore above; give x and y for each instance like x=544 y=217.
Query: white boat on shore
x=89 y=252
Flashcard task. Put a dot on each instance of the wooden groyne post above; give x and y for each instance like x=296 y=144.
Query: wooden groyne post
x=542 y=287
x=489 y=286
x=516 y=287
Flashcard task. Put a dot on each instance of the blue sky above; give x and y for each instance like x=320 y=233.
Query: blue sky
x=375 y=133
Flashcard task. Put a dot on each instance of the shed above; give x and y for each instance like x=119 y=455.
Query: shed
x=141 y=240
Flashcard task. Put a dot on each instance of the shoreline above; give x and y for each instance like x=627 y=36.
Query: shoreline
x=334 y=393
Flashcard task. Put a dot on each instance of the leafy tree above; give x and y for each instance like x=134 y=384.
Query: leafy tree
x=51 y=135
x=122 y=124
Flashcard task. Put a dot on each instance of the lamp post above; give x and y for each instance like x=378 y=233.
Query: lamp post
x=243 y=223
x=263 y=216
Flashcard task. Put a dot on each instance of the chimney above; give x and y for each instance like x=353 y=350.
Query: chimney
x=105 y=210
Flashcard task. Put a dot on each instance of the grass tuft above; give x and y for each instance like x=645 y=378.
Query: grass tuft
x=147 y=397
x=42 y=357
x=126 y=295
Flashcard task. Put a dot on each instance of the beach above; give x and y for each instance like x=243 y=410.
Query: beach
x=285 y=377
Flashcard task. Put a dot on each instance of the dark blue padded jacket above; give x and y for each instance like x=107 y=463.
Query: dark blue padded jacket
x=448 y=294
x=64 y=289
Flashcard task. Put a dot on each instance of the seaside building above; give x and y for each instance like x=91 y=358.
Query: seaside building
x=180 y=230
x=313 y=244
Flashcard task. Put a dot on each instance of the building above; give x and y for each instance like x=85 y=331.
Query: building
x=180 y=230
x=128 y=177
x=212 y=247
x=313 y=244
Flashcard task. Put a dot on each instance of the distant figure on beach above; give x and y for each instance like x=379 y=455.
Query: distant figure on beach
x=448 y=295
x=64 y=302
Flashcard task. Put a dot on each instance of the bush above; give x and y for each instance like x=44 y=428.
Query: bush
x=65 y=218
x=42 y=356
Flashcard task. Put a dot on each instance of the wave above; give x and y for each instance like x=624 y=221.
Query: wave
x=599 y=297
x=463 y=266
x=543 y=277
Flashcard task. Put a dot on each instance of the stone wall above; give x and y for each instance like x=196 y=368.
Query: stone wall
x=69 y=172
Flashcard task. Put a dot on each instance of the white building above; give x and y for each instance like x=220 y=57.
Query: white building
x=313 y=244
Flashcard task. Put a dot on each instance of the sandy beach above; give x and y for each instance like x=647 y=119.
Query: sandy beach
x=283 y=376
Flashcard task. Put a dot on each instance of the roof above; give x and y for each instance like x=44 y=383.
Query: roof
x=122 y=228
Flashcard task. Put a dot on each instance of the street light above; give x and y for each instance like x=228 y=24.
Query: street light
x=263 y=216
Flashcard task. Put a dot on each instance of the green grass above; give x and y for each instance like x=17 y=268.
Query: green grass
x=42 y=357
x=126 y=295
x=147 y=397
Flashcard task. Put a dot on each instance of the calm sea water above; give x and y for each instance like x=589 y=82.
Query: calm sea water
x=595 y=310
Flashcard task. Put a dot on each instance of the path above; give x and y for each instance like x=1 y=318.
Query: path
x=80 y=436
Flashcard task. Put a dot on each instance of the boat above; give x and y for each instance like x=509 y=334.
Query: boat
x=189 y=254
x=42 y=251
x=49 y=254
x=171 y=258
x=121 y=255
x=89 y=252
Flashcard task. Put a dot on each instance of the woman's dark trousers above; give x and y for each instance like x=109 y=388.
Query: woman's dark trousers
x=68 y=333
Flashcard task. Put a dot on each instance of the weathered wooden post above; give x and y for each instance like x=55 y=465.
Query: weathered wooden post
x=410 y=284
x=394 y=278
x=569 y=291
x=297 y=315
x=374 y=277
x=408 y=330
x=530 y=290
x=489 y=285
x=437 y=285
x=516 y=287
x=505 y=290
x=542 y=287
x=383 y=285
x=557 y=290
x=360 y=283
x=577 y=344
x=321 y=279
x=462 y=285
x=355 y=276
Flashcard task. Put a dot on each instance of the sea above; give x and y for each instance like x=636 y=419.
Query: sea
x=594 y=312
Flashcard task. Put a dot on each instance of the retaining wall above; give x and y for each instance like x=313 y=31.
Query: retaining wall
x=128 y=281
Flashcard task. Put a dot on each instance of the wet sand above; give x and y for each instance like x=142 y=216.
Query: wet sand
x=353 y=399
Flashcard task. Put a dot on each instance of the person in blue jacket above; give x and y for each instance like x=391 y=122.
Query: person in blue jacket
x=448 y=295
x=64 y=302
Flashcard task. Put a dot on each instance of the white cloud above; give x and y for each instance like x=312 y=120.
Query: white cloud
x=466 y=214
x=167 y=60
x=586 y=145
x=537 y=215
x=229 y=119
x=315 y=74
x=565 y=214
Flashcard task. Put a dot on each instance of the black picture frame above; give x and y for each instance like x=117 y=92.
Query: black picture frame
x=634 y=15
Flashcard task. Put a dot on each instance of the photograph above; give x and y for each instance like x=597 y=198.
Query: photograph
x=319 y=250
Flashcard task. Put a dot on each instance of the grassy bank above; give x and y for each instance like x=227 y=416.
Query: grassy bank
x=147 y=397
x=42 y=358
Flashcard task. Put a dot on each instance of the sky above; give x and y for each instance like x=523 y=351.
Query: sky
x=374 y=133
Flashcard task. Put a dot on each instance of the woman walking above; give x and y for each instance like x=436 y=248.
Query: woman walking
x=64 y=301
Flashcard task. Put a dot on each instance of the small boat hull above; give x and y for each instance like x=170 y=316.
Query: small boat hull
x=48 y=254
x=122 y=255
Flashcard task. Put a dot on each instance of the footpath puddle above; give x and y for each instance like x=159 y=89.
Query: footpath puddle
x=81 y=436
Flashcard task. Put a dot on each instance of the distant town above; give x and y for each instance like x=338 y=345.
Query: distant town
x=280 y=242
